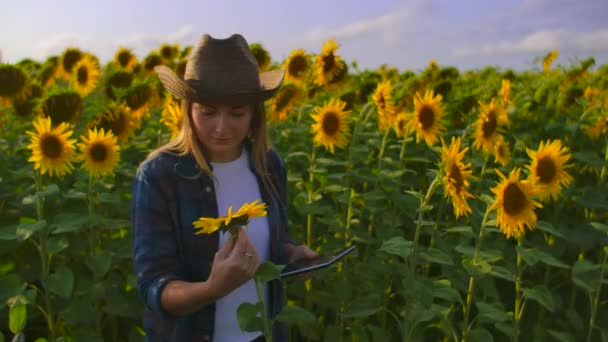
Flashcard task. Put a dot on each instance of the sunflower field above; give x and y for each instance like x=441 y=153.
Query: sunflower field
x=478 y=199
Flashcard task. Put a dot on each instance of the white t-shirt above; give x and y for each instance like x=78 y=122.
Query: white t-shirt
x=235 y=185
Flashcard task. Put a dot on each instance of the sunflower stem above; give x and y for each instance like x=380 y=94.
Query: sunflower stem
x=311 y=179
x=471 y=290
x=421 y=210
x=603 y=172
x=349 y=216
x=403 y=145
x=596 y=299
x=518 y=297
x=267 y=323
x=383 y=147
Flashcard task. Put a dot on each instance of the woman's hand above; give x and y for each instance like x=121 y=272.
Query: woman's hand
x=234 y=264
x=300 y=253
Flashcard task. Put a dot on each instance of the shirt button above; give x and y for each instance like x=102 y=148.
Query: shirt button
x=207 y=189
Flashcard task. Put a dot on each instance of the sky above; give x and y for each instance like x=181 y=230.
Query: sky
x=468 y=34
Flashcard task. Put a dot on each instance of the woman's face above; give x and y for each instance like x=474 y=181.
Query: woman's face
x=221 y=129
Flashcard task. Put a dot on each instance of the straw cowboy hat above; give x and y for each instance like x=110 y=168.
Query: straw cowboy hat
x=222 y=71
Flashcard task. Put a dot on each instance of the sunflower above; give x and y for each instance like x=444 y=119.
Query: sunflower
x=117 y=119
x=492 y=116
x=151 y=60
x=502 y=153
x=137 y=97
x=331 y=126
x=505 y=92
x=515 y=204
x=283 y=102
x=47 y=74
x=548 y=167
x=327 y=63
x=68 y=60
x=401 y=129
x=231 y=221
x=52 y=148
x=125 y=59
x=13 y=83
x=119 y=79
x=99 y=152
x=455 y=176
x=180 y=67
x=168 y=52
x=30 y=104
x=548 y=60
x=63 y=106
x=172 y=115
x=598 y=128
x=85 y=75
x=427 y=118
x=261 y=55
x=297 y=66
x=340 y=77
x=591 y=93
x=384 y=104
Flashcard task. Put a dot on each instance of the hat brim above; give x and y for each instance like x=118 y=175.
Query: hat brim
x=270 y=82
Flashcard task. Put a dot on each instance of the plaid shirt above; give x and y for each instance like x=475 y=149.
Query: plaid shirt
x=169 y=194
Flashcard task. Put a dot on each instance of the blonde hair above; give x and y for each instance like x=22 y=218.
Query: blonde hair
x=186 y=142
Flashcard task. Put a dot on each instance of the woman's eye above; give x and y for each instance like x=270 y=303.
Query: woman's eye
x=237 y=114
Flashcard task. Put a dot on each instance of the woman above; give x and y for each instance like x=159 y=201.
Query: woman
x=193 y=284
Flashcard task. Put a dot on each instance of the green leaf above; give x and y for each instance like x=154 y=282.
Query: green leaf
x=291 y=315
x=562 y=336
x=51 y=190
x=71 y=194
x=334 y=188
x=478 y=269
x=583 y=273
x=493 y=312
x=99 y=263
x=17 y=318
x=533 y=255
x=437 y=256
x=7 y=233
x=548 y=228
x=248 y=317
x=62 y=282
x=501 y=272
x=600 y=226
x=397 y=246
x=20 y=337
x=25 y=230
x=268 y=271
x=541 y=295
x=444 y=290
x=480 y=335
x=464 y=230
x=56 y=245
x=363 y=307
x=415 y=194
x=69 y=222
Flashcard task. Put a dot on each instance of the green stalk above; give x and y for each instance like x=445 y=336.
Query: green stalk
x=421 y=211
x=311 y=179
x=267 y=323
x=471 y=290
x=383 y=146
x=403 y=144
x=596 y=299
x=603 y=173
x=44 y=259
x=518 y=298
x=349 y=215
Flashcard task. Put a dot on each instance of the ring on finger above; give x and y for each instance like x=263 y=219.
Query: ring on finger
x=248 y=254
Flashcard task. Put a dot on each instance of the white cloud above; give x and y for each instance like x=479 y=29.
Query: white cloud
x=386 y=24
x=542 y=41
x=56 y=44
x=145 y=42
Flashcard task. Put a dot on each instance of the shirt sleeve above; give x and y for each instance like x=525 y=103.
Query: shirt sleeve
x=155 y=248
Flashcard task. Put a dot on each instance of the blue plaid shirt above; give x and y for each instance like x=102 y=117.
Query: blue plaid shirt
x=169 y=194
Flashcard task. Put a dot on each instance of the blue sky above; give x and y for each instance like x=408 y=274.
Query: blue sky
x=406 y=34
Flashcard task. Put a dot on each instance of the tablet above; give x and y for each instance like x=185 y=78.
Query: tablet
x=324 y=260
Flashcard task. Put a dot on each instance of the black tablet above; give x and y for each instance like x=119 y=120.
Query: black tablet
x=324 y=260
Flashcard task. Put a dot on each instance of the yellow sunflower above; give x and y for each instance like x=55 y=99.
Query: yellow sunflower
x=515 y=204
x=117 y=119
x=549 y=167
x=502 y=153
x=85 y=75
x=401 y=127
x=52 y=148
x=598 y=128
x=327 y=63
x=125 y=59
x=591 y=93
x=63 y=106
x=47 y=74
x=168 y=52
x=283 y=102
x=261 y=55
x=297 y=66
x=99 y=152
x=331 y=126
x=548 y=60
x=505 y=92
x=68 y=60
x=231 y=221
x=138 y=97
x=491 y=117
x=150 y=61
x=14 y=83
x=384 y=104
x=427 y=120
x=172 y=115
x=455 y=176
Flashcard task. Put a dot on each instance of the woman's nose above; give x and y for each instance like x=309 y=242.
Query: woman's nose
x=221 y=123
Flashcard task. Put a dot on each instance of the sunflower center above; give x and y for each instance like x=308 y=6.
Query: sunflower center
x=83 y=75
x=298 y=65
x=285 y=98
x=381 y=102
x=70 y=58
x=456 y=177
x=426 y=117
x=115 y=124
x=401 y=125
x=328 y=62
x=51 y=146
x=546 y=170
x=514 y=200
x=124 y=58
x=331 y=123
x=488 y=127
x=98 y=152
